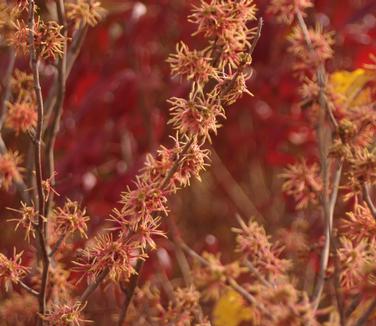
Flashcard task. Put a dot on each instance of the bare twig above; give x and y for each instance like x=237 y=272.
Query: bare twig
x=233 y=189
x=57 y=245
x=255 y=272
x=7 y=86
x=58 y=108
x=92 y=287
x=129 y=291
x=71 y=56
x=328 y=203
x=28 y=289
x=34 y=62
x=230 y=281
x=368 y=199
x=366 y=314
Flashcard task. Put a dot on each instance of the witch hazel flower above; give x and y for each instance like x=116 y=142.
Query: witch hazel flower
x=309 y=59
x=68 y=314
x=28 y=219
x=10 y=169
x=69 y=219
x=21 y=116
x=116 y=255
x=303 y=183
x=11 y=270
x=196 y=117
x=193 y=65
x=285 y=10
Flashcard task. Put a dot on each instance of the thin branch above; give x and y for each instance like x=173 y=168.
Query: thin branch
x=34 y=62
x=28 y=289
x=129 y=291
x=328 y=203
x=233 y=189
x=230 y=281
x=255 y=272
x=134 y=278
x=92 y=287
x=368 y=199
x=71 y=56
x=366 y=314
x=57 y=245
x=353 y=305
x=179 y=253
x=7 y=86
x=58 y=107
x=257 y=36
x=320 y=72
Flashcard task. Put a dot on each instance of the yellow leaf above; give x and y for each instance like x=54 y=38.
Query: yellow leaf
x=350 y=86
x=230 y=310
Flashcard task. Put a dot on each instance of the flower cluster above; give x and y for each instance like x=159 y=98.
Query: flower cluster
x=253 y=243
x=283 y=304
x=65 y=315
x=224 y=23
x=27 y=220
x=21 y=117
x=69 y=219
x=302 y=181
x=196 y=118
x=359 y=224
x=193 y=65
x=285 y=10
x=10 y=170
x=48 y=40
x=309 y=58
x=116 y=256
x=84 y=12
x=19 y=309
x=11 y=270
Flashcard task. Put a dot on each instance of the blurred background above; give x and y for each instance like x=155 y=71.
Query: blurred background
x=116 y=112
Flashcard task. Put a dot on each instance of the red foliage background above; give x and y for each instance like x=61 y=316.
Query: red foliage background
x=116 y=111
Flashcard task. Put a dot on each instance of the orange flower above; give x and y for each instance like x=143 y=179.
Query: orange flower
x=28 y=219
x=321 y=44
x=9 y=169
x=363 y=165
x=84 y=12
x=65 y=315
x=303 y=183
x=117 y=256
x=192 y=65
x=359 y=224
x=23 y=86
x=196 y=117
x=11 y=270
x=354 y=259
x=253 y=242
x=70 y=218
x=21 y=117
x=48 y=40
x=285 y=10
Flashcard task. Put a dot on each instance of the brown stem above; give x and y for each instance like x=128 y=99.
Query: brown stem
x=92 y=287
x=328 y=203
x=34 y=62
x=58 y=108
x=367 y=313
x=28 y=289
x=7 y=87
x=368 y=199
x=71 y=56
x=129 y=291
x=57 y=245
